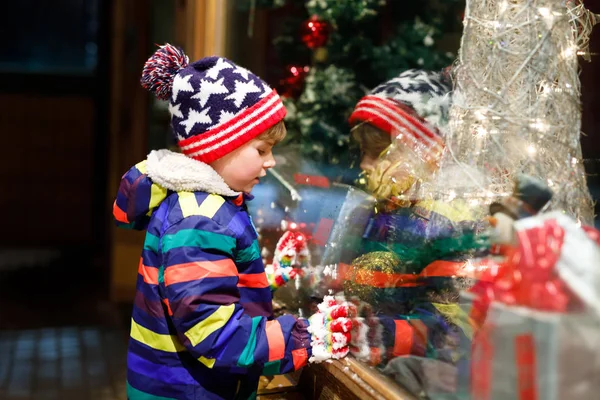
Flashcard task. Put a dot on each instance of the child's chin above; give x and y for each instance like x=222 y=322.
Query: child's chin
x=248 y=189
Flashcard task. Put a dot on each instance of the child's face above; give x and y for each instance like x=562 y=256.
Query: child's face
x=242 y=168
x=389 y=173
x=368 y=162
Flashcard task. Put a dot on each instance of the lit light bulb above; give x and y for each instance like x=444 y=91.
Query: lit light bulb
x=568 y=52
x=540 y=125
x=544 y=12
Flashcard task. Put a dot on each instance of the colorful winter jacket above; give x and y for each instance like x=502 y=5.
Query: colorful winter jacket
x=202 y=324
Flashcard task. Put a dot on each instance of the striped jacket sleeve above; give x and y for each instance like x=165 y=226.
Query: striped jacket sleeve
x=199 y=279
x=137 y=198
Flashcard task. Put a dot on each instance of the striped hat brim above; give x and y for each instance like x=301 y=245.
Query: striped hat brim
x=401 y=123
x=245 y=126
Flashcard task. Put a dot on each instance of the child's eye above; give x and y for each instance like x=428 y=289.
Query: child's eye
x=261 y=152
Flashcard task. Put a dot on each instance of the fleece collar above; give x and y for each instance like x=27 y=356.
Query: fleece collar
x=175 y=171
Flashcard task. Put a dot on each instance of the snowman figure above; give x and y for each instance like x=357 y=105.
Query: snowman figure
x=530 y=196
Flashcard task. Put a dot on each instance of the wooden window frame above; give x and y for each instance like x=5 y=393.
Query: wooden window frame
x=200 y=27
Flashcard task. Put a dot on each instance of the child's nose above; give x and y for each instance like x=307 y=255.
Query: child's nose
x=367 y=163
x=270 y=162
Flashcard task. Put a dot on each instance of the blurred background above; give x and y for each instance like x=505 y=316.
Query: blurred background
x=74 y=119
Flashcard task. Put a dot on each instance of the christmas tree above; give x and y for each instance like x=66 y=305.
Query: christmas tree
x=332 y=52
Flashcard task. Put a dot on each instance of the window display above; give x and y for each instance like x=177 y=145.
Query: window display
x=443 y=248
x=439 y=202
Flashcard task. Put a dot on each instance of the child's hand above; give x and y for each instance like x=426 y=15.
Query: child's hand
x=331 y=329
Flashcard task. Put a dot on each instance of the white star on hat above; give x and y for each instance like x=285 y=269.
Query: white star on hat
x=241 y=90
x=241 y=71
x=195 y=117
x=225 y=116
x=208 y=88
x=213 y=72
x=175 y=111
x=181 y=84
x=266 y=91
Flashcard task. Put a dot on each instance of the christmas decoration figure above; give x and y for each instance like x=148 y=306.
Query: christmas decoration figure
x=529 y=197
x=290 y=259
x=336 y=331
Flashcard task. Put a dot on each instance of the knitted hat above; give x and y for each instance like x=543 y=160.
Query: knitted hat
x=216 y=106
x=411 y=107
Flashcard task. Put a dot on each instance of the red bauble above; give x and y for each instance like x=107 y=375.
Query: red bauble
x=292 y=83
x=314 y=32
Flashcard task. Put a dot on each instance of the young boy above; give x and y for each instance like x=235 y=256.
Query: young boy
x=398 y=126
x=202 y=324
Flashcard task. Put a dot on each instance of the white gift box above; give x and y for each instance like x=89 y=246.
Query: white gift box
x=521 y=353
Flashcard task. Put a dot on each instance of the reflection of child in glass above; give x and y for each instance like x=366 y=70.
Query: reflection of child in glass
x=202 y=324
x=398 y=128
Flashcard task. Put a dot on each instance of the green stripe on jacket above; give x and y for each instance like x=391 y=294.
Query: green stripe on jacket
x=198 y=238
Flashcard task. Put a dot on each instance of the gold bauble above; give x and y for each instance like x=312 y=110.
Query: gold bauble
x=376 y=261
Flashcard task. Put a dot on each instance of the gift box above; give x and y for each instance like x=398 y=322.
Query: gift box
x=536 y=316
x=520 y=353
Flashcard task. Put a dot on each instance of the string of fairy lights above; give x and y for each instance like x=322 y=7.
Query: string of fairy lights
x=516 y=105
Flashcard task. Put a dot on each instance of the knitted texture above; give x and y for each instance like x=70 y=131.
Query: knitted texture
x=216 y=106
x=414 y=105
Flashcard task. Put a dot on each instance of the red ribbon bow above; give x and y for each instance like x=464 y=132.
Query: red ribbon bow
x=528 y=277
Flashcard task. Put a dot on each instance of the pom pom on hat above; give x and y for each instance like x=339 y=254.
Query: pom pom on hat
x=160 y=70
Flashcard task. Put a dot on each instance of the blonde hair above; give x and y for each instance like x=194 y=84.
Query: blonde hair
x=372 y=141
x=275 y=133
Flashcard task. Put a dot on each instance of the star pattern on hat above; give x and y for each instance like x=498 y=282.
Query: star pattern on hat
x=214 y=71
x=266 y=91
x=175 y=111
x=426 y=93
x=181 y=84
x=195 y=117
x=241 y=90
x=243 y=72
x=225 y=116
x=210 y=94
x=208 y=88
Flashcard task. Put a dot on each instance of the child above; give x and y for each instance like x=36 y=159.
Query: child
x=202 y=324
x=407 y=113
x=399 y=129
